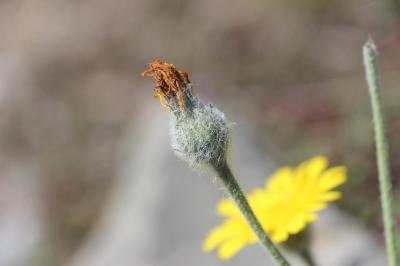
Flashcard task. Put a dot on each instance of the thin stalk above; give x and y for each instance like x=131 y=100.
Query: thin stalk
x=370 y=54
x=226 y=176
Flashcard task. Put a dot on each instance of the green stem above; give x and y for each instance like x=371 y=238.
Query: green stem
x=226 y=176
x=372 y=75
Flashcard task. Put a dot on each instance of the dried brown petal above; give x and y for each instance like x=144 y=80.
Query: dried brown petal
x=169 y=82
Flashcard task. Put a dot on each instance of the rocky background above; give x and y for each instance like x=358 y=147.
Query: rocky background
x=87 y=176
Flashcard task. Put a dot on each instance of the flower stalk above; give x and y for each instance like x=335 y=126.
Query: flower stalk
x=227 y=178
x=306 y=255
x=199 y=134
x=300 y=244
x=370 y=55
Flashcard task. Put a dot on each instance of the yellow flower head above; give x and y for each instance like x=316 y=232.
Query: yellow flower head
x=285 y=206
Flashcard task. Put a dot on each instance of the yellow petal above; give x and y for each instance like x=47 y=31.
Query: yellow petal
x=226 y=208
x=310 y=217
x=297 y=224
x=280 y=236
x=316 y=165
x=280 y=180
x=230 y=247
x=333 y=177
x=312 y=167
x=215 y=237
x=330 y=196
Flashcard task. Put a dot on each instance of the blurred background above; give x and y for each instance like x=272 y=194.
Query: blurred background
x=87 y=176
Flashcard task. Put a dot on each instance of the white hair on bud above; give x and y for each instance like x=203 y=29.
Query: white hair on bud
x=200 y=135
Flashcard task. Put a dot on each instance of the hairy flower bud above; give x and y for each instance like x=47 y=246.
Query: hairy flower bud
x=200 y=136
x=198 y=131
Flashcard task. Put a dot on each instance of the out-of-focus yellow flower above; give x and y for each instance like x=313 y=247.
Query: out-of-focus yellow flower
x=286 y=204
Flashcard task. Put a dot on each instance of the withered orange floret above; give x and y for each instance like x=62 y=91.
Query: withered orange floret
x=169 y=82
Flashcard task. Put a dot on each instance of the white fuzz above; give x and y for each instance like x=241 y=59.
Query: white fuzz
x=200 y=135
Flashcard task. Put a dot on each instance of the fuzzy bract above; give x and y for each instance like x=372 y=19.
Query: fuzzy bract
x=199 y=135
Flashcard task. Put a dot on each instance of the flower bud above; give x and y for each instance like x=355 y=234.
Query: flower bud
x=198 y=131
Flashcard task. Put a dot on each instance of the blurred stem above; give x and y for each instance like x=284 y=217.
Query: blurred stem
x=306 y=255
x=396 y=5
x=226 y=176
x=370 y=54
x=300 y=244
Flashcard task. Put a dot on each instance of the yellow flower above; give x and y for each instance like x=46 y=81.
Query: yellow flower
x=284 y=207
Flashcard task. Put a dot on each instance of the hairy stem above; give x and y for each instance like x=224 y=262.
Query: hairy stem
x=226 y=176
x=370 y=54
